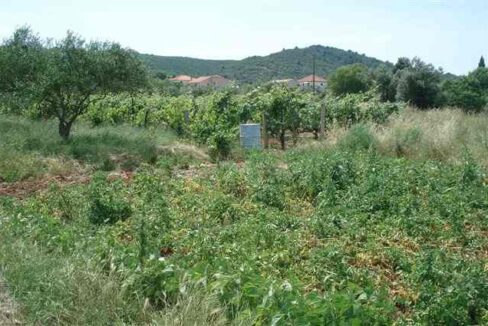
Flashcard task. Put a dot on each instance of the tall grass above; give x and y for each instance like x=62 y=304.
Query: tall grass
x=31 y=148
x=447 y=135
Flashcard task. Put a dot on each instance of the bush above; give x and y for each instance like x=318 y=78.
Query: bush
x=220 y=145
x=419 y=84
x=350 y=79
x=107 y=203
x=359 y=137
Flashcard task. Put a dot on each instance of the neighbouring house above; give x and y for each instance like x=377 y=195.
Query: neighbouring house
x=182 y=78
x=216 y=81
x=287 y=82
x=308 y=82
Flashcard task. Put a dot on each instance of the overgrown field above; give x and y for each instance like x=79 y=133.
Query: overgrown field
x=372 y=228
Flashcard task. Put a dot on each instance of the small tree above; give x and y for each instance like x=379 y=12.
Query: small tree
x=385 y=84
x=282 y=114
x=470 y=92
x=418 y=84
x=350 y=79
x=481 y=64
x=281 y=107
x=71 y=74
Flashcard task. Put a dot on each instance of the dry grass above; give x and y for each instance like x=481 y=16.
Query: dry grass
x=195 y=307
x=445 y=135
x=9 y=314
x=185 y=149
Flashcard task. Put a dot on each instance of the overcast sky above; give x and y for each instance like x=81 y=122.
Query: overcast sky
x=452 y=34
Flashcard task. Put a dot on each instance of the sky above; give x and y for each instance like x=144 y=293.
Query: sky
x=451 y=34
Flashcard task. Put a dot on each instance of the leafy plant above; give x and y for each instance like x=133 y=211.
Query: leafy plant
x=107 y=204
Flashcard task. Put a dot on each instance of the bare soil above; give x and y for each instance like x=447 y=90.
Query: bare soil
x=22 y=189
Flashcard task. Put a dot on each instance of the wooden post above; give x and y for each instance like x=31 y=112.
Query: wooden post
x=322 y=120
x=265 y=133
x=187 y=117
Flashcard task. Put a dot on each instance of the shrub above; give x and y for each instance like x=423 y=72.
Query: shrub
x=220 y=145
x=350 y=79
x=359 y=137
x=107 y=202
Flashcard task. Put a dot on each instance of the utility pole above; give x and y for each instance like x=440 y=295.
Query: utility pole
x=313 y=75
x=322 y=119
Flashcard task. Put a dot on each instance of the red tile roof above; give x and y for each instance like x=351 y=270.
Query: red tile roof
x=309 y=79
x=199 y=79
x=204 y=78
x=182 y=78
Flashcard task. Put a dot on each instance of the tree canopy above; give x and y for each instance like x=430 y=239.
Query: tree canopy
x=350 y=79
x=470 y=93
x=62 y=78
x=418 y=83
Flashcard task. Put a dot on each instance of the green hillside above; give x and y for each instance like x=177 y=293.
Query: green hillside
x=288 y=63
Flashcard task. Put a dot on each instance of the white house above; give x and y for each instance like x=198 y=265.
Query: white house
x=309 y=81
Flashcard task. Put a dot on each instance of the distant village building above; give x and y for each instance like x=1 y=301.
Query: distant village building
x=305 y=82
x=216 y=81
x=287 y=82
x=309 y=81
x=182 y=78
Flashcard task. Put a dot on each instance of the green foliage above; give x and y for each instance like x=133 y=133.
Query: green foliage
x=401 y=64
x=37 y=146
x=469 y=93
x=64 y=78
x=220 y=145
x=306 y=237
x=418 y=84
x=359 y=137
x=481 y=64
x=355 y=108
x=281 y=108
x=107 y=204
x=350 y=79
x=215 y=122
x=384 y=81
x=21 y=62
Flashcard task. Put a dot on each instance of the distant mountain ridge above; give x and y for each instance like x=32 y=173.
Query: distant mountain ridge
x=288 y=63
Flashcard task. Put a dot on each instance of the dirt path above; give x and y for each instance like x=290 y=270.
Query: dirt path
x=22 y=189
x=8 y=309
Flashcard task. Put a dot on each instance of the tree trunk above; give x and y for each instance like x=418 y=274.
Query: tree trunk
x=315 y=134
x=64 y=129
x=146 y=118
x=295 y=135
x=282 y=139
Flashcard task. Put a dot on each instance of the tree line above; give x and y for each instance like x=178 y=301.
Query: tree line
x=103 y=82
x=416 y=82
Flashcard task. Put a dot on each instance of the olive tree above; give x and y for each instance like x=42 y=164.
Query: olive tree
x=350 y=79
x=21 y=63
x=470 y=92
x=419 y=84
x=385 y=83
x=71 y=74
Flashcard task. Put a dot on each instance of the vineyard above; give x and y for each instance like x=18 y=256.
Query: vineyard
x=213 y=119
x=126 y=198
x=353 y=229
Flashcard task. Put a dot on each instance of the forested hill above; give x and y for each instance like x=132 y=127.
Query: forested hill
x=290 y=63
